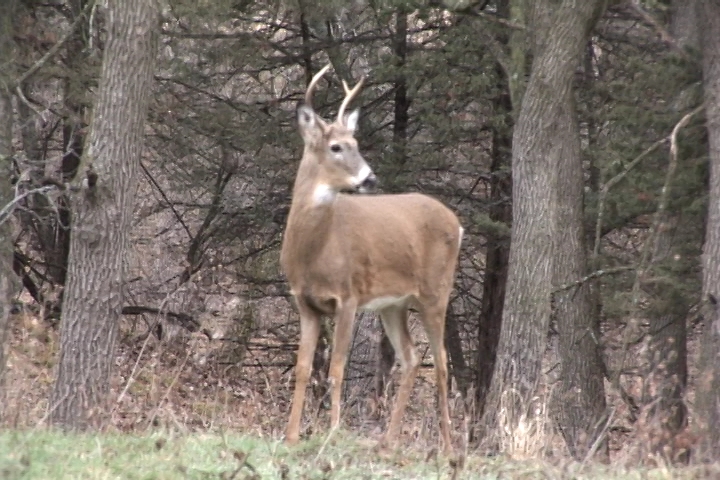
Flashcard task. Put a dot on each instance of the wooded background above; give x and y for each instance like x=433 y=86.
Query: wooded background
x=146 y=176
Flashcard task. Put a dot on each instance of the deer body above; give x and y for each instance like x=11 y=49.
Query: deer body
x=343 y=252
x=328 y=257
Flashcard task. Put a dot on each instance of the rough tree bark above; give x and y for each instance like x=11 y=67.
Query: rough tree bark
x=579 y=398
x=7 y=277
x=537 y=142
x=101 y=215
x=707 y=403
x=683 y=23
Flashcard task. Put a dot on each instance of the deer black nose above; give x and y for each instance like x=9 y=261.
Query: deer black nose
x=369 y=182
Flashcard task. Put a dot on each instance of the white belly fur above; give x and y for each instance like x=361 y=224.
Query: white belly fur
x=384 y=302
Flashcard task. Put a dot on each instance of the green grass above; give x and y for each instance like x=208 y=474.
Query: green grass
x=45 y=454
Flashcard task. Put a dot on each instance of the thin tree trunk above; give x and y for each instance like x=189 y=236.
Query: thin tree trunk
x=497 y=254
x=101 y=218
x=386 y=354
x=536 y=150
x=683 y=23
x=667 y=370
x=707 y=403
x=579 y=399
x=7 y=276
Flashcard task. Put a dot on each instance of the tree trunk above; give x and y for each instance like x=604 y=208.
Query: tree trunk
x=7 y=277
x=674 y=248
x=102 y=211
x=579 y=398
x=708 y=387
x=537 y=146
x=497 y=249
x=683 y=23
x=666 y=376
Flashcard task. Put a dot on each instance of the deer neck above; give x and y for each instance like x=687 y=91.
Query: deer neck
x=311 y=212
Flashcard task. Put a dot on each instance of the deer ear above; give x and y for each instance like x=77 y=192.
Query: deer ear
x=311 y=126
x=351 y=120
x=306 y=117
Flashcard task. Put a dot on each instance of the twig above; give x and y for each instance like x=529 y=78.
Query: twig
x=502 y=21
x=8 y=209
x=27 y=102
x=170 y=205
x=590 y=276
x=598 y=441
x=48 y=55
x=325 y=443
x=178 y=372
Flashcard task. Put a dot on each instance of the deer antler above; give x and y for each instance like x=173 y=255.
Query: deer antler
x=349 y=95
x=313 y=83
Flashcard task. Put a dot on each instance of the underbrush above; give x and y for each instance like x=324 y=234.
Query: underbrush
x=172 y=400
x=49 y=454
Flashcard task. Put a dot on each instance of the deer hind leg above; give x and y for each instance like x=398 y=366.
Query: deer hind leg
x=434 y=322
x=344 y=319
x=395 y=323
x=309 y=332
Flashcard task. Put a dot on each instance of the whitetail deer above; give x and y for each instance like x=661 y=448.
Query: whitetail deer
x=342 y=252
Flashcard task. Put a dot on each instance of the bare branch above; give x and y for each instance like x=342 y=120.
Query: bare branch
x=646 y=259
x=611 y=183
x=591 y=276
x=54 y=49
x=185 y=320
x=661 y=31
x=10 y=207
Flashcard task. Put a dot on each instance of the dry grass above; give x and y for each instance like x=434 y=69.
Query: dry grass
x=181 y=394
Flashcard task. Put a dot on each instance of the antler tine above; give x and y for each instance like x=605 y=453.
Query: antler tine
x=313 y=83
x=349 y=95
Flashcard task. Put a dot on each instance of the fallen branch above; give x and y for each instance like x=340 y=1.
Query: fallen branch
x=184 y=319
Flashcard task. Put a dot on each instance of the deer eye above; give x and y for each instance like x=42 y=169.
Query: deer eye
x=335 y=147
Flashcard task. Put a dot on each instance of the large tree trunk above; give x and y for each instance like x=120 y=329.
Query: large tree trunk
x=537 y=145
x=7 y=277
x=579 y=398
x=102 y=211
x=707 y=403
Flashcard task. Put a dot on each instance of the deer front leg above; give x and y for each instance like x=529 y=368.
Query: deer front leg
x=344 y=319
x=309 y=332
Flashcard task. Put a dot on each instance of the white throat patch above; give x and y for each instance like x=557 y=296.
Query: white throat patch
x=323 y=194
x=363 y=174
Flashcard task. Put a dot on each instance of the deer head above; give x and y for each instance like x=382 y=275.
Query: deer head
x=331 y=156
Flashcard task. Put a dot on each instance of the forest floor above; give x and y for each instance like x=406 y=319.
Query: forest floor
x=44 y=454
x=181 y=409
